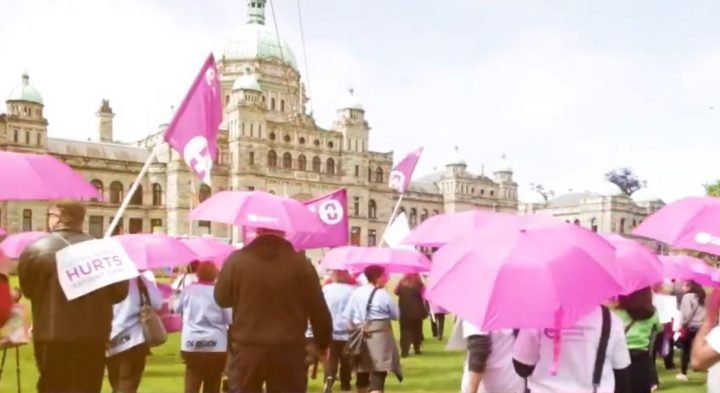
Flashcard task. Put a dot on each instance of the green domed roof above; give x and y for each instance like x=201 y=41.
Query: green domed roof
x=351 y=101
x=257 y=41
x=246 y=82
x=25 y=92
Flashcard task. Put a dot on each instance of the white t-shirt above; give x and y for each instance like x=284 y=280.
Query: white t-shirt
x=499 y=376
x=577 y=356
x=713 y=375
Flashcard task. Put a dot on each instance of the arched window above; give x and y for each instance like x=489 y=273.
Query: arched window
x=576 y=222
x=27 y=220
x=282 y=105
x=156 y=194
x=272 y=104
x=423 y=215
x=116 y=192
x=372 y=209
x=316 y=164
x=379 y=175
x=622 y=226
x=272 y=159
x=593 y=224
x=287 y=161
x=287 y=138
x=204 y=193
x=302 y=162
x=330 y=166
x=137 y=198
x=412 y=218
x=99 y=188
x=401 y=211
x=634 y=223
x=435 y=212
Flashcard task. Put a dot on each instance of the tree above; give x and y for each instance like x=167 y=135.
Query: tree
x=712 y=189
x=626 y=180
x=540 y=189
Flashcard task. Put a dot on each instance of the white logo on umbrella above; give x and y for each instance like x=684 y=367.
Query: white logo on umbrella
x=257 y=218
x=331 y=212
x=705 y=238
x=397 y=180
x=197 y=156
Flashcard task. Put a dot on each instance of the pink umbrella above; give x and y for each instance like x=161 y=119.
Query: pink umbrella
x=40 y=177
x=685 y=267
x=14 y=245
x=639 y=267
x=257 y=209
x=439 y=230
x=529 y=275
x=209 y=249
x=358 y=258
x=690 y=223
x=153 y=251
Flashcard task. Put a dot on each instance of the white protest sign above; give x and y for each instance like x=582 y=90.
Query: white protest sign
x=667 y=308
x=91 y=265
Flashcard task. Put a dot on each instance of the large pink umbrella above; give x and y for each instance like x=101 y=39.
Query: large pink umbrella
x=14 y=245
x=691 y=223
x=153 y=251
x=28 y=176
x=209 y=249
x=639 y=267
x=358 y=258
x=443 y=228
x=257 y=209
x=685 y=267
x=529 y=275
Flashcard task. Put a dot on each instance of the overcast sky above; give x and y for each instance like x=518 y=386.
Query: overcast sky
x=567 y=89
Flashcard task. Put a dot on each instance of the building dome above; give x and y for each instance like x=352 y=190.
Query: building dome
x=25 y=92
x=645 y=195
x=255 y=40
x=457 y=158
x=610 y=189
x=504 y=165
x=246 y=82
x=351 y=101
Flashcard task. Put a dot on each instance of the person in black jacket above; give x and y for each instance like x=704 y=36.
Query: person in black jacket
x=273 y=291
x=70 y=335
x=412 y=312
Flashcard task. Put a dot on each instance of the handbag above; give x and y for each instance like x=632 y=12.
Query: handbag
x=356 y=341
x=16 y=330
x=153 y=328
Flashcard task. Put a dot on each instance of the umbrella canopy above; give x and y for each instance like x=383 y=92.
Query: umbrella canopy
x=441 y=229
x=690 y=223
x=257 y=209
x=685 y=267
x=153 y=251
x=358 y=258
x=14 y=245
x=524 y=275
x=209 y=249
x=40 y=177
x=639 y=267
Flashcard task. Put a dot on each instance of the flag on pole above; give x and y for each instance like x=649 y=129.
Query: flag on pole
x=332 y=212
x=194 y=128
x=397 y=232
x=401 y=174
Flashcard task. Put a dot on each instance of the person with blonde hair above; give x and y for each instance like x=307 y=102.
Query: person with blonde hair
x=204 y=333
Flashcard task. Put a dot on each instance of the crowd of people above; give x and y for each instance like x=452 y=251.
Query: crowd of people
x=265 y=322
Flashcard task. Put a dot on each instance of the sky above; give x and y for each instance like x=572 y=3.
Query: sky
x=566 y=89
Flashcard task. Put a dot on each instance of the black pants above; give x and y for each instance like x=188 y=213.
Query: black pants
x=372 y=381
x=338 y=358
x=203 y=369
x=280 y=367
x=70 y=367
x=687 y=349
x=438 y=327
x=640 y=371
x=410 y=333
x=125 y=369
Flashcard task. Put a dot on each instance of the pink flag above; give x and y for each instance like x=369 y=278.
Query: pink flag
x=402 y=172
x=194 y=128
x=332 y=212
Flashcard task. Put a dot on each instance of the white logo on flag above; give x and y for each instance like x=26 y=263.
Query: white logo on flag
x=397 y=180
x=331 y=212
x=197 y=156
x=210 y=76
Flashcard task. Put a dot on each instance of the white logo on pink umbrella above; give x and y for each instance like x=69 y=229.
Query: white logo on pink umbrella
x=256 y=218
x=706 y=238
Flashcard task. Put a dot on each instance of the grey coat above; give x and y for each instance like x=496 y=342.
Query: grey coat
x=380 y=352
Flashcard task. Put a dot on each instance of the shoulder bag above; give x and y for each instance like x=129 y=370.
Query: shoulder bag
x=153 y=328
x=356 y=341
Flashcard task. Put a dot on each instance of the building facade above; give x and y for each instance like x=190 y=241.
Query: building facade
x=267 y=142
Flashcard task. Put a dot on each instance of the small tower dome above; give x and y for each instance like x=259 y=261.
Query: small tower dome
x=25 y=92
x=247 y=82
x=350 y=101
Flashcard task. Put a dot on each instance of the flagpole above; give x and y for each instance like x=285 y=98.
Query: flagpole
x=133 y=189
x=392 y=217
x=192 y=198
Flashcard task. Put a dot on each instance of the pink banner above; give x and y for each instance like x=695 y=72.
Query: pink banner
x=333 y=213
x=194 y=128
x=402 y=172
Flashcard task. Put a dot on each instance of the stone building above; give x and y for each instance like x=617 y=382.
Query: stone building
x=267 y=142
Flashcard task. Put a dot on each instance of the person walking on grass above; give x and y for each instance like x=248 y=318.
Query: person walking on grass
x=412 y=313
x=692 y=315
x=337 y=294
x=204 y=333
x=273 y=292
x=70 y=336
